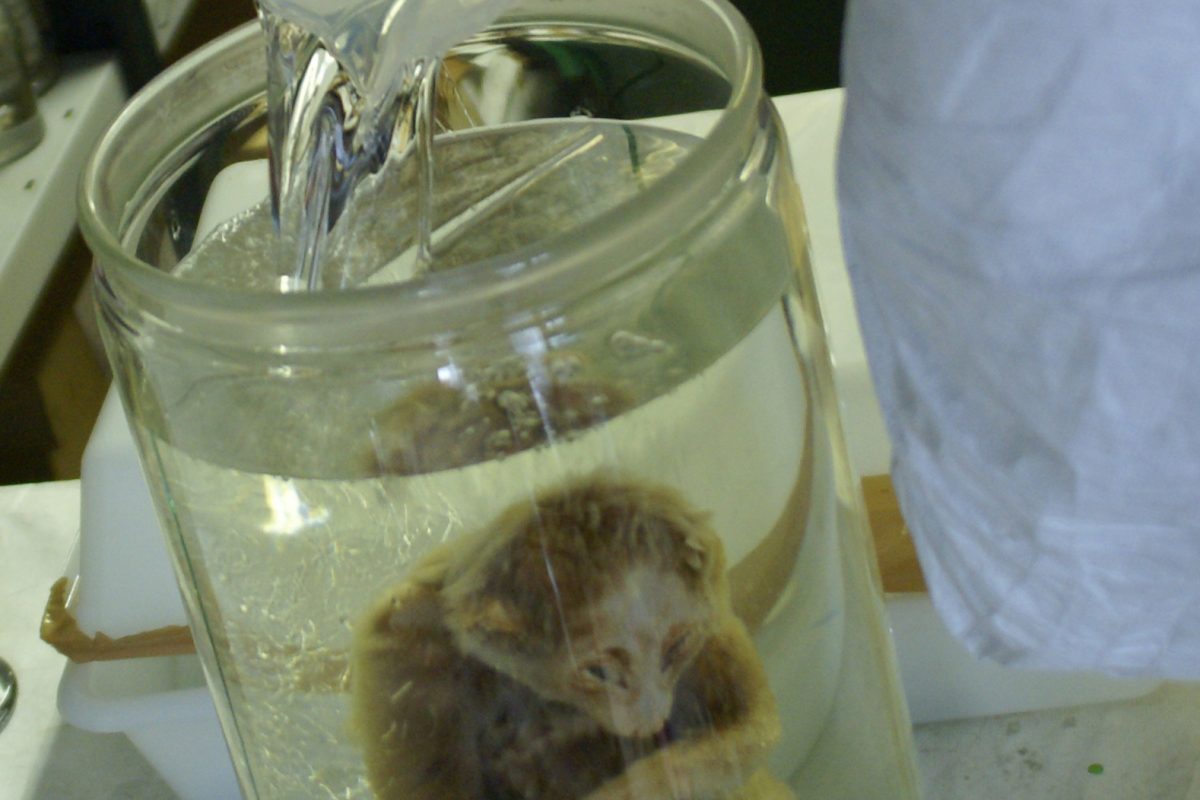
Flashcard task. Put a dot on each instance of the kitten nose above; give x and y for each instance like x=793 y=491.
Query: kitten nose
x=650 y=712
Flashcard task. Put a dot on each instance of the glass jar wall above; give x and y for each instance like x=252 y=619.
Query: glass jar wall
x=567 y=515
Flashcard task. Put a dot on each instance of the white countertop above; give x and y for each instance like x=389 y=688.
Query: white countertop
x=41 y=758
x=1148 y=747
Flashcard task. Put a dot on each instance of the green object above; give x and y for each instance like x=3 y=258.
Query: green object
x=1096 y=769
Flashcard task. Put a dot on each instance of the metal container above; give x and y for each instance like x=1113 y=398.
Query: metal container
x=33 y=30
x=21 y=126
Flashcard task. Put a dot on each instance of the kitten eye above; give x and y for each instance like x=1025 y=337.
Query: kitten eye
x=598 y=672
x=675 y=652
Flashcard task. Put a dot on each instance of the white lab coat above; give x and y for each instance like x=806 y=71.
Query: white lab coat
x=1019 y=187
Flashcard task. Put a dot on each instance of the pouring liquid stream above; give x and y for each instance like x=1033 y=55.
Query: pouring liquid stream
x=349 y=86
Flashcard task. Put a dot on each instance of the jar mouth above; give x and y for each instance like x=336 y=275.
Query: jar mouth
x=113 y=196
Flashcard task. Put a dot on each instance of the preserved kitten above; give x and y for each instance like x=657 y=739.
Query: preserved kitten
x=582 y=646
x=437 y=426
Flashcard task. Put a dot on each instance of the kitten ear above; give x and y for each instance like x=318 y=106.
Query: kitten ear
x=695 y=552
x=494 y=616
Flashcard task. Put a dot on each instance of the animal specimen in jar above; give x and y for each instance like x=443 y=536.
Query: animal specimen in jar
x=581 y=646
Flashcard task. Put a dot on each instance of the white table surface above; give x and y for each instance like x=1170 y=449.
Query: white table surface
x=42 y=758
x=1149 y=747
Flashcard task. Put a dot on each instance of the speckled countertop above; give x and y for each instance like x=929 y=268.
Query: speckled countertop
x=1142 y=749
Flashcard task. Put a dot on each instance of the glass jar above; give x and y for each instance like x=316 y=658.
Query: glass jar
x=569 y=515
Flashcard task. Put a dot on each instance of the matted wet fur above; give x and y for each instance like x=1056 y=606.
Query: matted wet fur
x=582 y=646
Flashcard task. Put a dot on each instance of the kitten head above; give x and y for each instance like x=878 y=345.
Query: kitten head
x=627 y=654
x=599 y=595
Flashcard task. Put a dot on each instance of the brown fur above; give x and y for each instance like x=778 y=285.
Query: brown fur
x=437 y=426
x=466 y=679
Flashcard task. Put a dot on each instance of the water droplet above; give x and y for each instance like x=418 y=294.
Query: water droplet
x=628 y=344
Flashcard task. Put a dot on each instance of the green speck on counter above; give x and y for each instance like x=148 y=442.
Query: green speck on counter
x=1095 y=769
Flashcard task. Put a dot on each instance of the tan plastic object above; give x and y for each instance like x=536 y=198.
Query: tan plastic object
x=61 y=631
x=898 y=567
x=894 y=549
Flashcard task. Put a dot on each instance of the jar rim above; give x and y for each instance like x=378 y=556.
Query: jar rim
x=508 y=283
